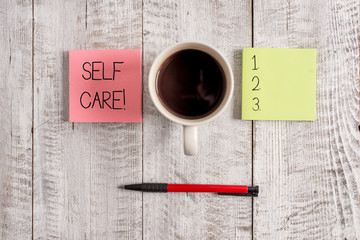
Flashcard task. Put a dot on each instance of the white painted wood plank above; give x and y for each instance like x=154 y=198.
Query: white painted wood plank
x=309 y=172
x=78 y=167
x=225 y=144
x=116 y=147
x=16 y=120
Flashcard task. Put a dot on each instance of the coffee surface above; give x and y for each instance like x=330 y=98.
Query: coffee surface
x=190 y=84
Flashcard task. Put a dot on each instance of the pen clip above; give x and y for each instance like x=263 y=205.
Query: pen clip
x=253 y=194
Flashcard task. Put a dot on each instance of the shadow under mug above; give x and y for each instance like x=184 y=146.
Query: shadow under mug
x=190 y=125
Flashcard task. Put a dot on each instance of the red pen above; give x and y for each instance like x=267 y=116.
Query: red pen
x=235 y=190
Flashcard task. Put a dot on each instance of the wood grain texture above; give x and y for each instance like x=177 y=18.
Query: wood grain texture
x=225 y=144
x=79 y=166
x=309 y=172
x=16 y=120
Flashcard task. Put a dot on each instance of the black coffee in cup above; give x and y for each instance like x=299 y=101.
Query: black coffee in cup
x=190 y=84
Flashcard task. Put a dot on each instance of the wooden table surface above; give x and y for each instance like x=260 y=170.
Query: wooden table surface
x=59 y=179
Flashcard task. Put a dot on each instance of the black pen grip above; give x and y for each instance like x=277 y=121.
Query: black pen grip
x=154 y=187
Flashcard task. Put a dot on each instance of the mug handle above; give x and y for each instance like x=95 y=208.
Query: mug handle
x=190 y=140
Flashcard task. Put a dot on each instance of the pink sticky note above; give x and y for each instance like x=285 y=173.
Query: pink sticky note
x=105 y=85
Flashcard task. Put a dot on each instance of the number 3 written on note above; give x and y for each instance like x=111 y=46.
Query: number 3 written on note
x=257 y=106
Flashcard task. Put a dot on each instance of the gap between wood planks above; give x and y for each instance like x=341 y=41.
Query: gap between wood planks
x=252 y=131
x=32 y=121
x=142 y=122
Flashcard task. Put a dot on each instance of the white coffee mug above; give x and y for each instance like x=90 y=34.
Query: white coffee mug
x=190 y=125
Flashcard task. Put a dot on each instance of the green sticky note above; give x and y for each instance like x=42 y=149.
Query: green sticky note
x=278 y=84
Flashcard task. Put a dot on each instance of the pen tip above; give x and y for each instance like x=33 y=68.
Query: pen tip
x=122 y=187
x=136 y=187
